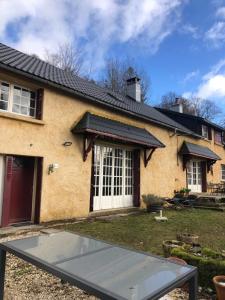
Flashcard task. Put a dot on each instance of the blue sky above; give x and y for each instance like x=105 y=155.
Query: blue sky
x=180 y=43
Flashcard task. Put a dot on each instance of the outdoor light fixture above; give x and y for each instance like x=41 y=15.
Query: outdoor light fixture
x=67 y=143
x=52 y=168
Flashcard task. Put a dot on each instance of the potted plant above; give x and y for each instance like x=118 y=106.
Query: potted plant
x=188 y=238
x=153 y=203
x=219 y=282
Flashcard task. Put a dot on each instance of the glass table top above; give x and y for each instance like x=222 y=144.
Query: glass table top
x=124 y=273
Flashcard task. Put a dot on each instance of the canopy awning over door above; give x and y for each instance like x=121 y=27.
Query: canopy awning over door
x=99 y=127
x=189 y=150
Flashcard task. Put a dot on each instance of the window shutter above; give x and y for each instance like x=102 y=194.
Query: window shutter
x=39 y=104
x=136 y=176
x=7 y=190
x=209 y=133
x=223 y=137
x=204 y=179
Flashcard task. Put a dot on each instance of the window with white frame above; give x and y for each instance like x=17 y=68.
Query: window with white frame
x=17 y=99
x=223 y=172
x=205 y=132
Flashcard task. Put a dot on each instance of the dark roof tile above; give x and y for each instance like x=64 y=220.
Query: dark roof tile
x=38 y=69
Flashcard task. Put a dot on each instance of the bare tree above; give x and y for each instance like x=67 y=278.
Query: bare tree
x=66 y=57
x=195 y=105
x=205 y=108
x=118 y=71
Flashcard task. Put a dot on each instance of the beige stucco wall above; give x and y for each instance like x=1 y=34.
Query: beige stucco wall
x=66 y=192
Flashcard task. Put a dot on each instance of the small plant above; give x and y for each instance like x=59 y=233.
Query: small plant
x=185 y=191
x=153 y=203
x=182 y=192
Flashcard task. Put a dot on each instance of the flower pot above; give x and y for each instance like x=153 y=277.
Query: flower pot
x=219 y=282
x=154 y=207
x=169 y=245
x=188 y=238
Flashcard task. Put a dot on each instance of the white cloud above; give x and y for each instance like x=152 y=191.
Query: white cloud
x=221 y=12
x=212 y=85
x=216 y=34
x=190 y=29
x=212 y=88
x=93 y=26
x=189 y=76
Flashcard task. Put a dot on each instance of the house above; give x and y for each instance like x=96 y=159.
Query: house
x=69 y=148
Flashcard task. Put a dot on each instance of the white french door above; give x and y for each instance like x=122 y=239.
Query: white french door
x=113 y=177
x=194 y=176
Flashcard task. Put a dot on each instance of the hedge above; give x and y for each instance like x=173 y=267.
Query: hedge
x=208 y=266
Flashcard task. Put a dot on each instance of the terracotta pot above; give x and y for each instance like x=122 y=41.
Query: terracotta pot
x=219 y=282
x=169 y=245
x=188 y=238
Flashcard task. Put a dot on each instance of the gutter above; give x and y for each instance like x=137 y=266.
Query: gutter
x=87 y=97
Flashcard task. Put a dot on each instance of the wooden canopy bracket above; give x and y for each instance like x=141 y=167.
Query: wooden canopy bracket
x=147 y=156
x=186 y=159
x=210 y=164
x=87 y=147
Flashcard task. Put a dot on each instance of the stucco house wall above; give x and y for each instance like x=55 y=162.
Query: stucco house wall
x=66 y=192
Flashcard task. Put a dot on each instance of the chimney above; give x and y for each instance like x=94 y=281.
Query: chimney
x=178 y=106
x=134 y=88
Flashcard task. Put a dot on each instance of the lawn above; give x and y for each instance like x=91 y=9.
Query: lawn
x=144 y=233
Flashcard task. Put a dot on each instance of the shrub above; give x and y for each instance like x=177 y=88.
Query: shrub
x=208 y=266
x=151 y=199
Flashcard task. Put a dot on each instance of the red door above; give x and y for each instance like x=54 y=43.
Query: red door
x=18 y=190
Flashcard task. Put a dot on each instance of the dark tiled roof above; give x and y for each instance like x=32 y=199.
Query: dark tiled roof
x=37 y=69
x=114 y=129
x=200 y=151
x=177 y=117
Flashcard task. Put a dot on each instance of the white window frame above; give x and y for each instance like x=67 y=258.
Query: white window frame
x=223 y=172
x=205 y=132
x=10 y=99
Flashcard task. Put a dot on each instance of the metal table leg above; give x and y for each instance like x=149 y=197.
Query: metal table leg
x=193 y=287
x=2 y=272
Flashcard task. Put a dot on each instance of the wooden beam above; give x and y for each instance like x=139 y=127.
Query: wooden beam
x=87 y=147
x=148 y=156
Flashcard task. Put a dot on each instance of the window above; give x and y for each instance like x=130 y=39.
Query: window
x=17 y=100
x=205 y=132
x=4 y=95
x=218 y=137
x=223 y=172
x=113 y=171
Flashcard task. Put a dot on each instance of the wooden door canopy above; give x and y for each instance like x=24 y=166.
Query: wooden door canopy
x=93 y=127
x=190 y=151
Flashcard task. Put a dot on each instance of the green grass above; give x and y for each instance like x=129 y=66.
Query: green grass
x=144 y=233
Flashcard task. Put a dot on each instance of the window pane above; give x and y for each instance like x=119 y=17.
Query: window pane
x=25 y=101
x=22 y=103
x=24 y=110
x=3 y=105
x=4 y=95
x=16 y=108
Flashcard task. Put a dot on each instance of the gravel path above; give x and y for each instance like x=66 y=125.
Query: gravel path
x=24 y=281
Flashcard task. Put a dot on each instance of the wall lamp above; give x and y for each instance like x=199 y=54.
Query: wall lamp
x=52 y=168
x=67 y=144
